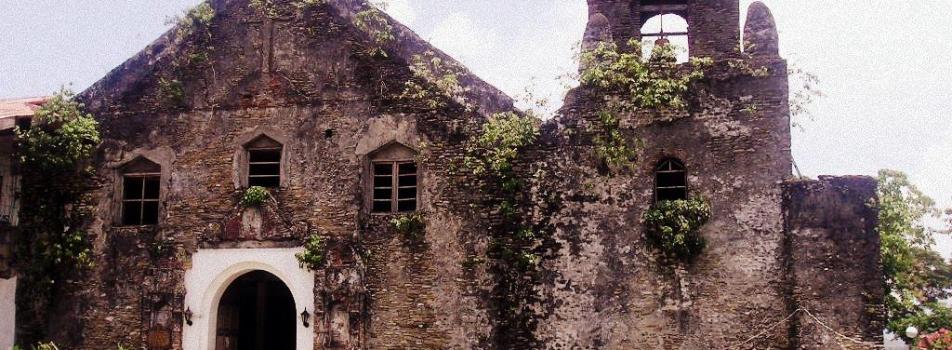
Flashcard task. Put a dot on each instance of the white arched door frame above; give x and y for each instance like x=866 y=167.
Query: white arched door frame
x=213 y=270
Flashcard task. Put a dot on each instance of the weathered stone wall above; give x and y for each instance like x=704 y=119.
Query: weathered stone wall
x=713 y=25
x=308 y=81
x=835 y=265
x=605 y=271
x=305 y=78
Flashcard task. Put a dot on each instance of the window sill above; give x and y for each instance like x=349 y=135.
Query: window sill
x=135 y=228
x=395 y=213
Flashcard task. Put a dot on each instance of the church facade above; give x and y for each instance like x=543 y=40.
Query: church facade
x=298 y=97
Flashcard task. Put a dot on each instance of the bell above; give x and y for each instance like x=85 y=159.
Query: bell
x=662 y=42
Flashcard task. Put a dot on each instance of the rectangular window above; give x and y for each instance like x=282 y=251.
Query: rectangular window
x=140 y=199
x=264 y=167
x=394 y=187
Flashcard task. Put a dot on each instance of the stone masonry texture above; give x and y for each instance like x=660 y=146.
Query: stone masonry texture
x=303 y=75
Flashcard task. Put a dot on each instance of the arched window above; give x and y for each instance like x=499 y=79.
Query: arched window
x=264 y=162
x=671 y=180
x=141 y=180
x=665 y=28
x=394 y=179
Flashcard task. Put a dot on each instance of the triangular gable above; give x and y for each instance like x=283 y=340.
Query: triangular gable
x=128 y=78
x=141 y=165
x=393 y=151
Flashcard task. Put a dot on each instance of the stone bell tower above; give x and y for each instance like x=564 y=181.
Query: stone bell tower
x=713 y=25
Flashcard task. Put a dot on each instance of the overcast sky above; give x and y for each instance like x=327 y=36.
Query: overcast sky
x=885 y=66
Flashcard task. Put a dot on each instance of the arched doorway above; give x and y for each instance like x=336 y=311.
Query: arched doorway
x=256 y=312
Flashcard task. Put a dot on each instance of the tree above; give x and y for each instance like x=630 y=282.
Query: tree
x=53 y=154
x=917 y=277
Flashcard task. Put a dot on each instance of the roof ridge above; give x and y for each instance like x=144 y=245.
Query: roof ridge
x=405 y=44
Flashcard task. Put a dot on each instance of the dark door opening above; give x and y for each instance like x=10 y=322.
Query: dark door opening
x=256 y=313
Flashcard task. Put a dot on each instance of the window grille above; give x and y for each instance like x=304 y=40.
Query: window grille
x=264 y=162
x=394 y=186
x=671 y=182
x=140 y=199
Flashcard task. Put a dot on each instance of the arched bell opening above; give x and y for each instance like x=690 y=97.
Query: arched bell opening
x=256 y=312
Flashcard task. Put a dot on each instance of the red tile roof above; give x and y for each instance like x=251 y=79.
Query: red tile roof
x=21 y=107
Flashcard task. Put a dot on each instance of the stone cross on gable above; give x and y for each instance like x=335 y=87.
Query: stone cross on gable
x=267 y=30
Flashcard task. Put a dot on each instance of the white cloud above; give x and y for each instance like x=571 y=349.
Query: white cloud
x=460 y=37
x=401 y=10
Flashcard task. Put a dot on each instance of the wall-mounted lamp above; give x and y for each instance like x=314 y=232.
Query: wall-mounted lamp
x=188 y=316
x=305 y=318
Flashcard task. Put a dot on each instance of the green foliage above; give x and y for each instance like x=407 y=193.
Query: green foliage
x=673 y=227
x=635 y=83
x=916 y=276
x=172 y=91
x=611 y=146
x=515 y=248
x=435 y=83
x=804 y=93
x=374 y=23
x=411 y=226
x=315 y=253
x=742 y=66
x=307 y=3
x=265 y=6
x=64 y=135
x=255 y=196
x=369 y=20
x=196 y=20
x=50 y=242
x=644 y=83
x=497 y=147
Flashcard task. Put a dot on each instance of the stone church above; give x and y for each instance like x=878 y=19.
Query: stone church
x=298 y=97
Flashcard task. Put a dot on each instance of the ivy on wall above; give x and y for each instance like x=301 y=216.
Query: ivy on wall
x=374 y=23
x=435 y=82
x=50 y=243
x=635 y=84
x=314 y=255
x=673 y=227
x=193 y=34
x=411 y=226
x=515 y=247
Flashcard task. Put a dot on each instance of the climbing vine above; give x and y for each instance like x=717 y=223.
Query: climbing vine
x=411 y=226
x=197 y=20
x=193 y=34
x=652 y=82
x=495 y=149
x=635 y=83
x=50 y=242
x=172 y=91
x=435 y=82
x=611 y=146
x=372 y=21
x=515 y=249
x=673 y=228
